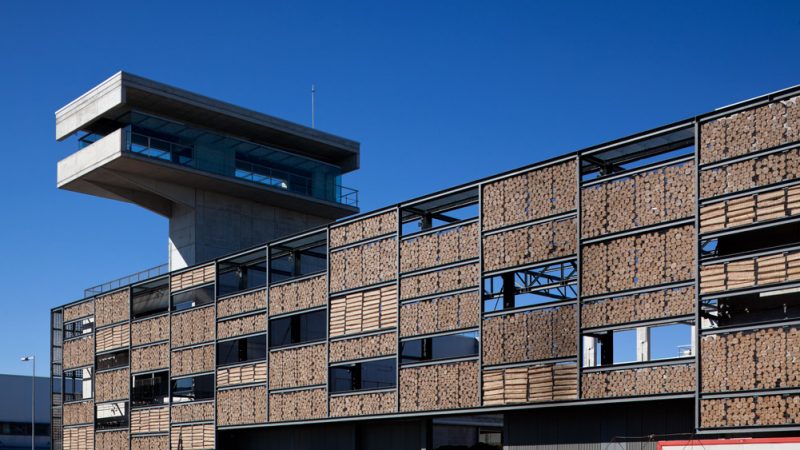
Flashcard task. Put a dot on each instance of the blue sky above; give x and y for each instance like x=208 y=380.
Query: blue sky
x=437 y=92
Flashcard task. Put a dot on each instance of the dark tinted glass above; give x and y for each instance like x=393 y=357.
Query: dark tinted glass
x=441 y=347
x=150 y=299
x=242 y=273
x=195 y=297
x=297 y=329
x=112 y=360
x=367 y=375
x=312 y=326
x=280 y=332
x=242 y=350
x=150 y=389
x=193 y=388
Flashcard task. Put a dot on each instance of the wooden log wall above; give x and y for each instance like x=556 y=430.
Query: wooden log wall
x=111 y=440
x=640 y=200
x=242 y=406
x=193 y=360
x=754 y=129
x=110 y=338
x=439 y=386
x=532 y=195
x=668 y=379
x=194 y=277
x=439 y=248
x=298 y=295
x=370 y=227
x=192 y=412
x=79 y=438
x=111 y=385
x=440 y=282
x=192 y=437
x=78 y=352
x=365 y=404
x=243 y=303
x=766 y=410
x=150 y=330
x=298 y=405
x=632 y=308
x=749 y=272
x=242 y=325
x=363 y=265
x=79 y=311
x=363 y=311
x=767 y=358
x=303 y=366
x=530 y=384
x=150 y=420
x=640 y=261
x=363 y=347
x=535 y=243
x=530 y=335
x=150 y=442
x=148 y=358
x=193 y=326
x=752 y=173
x=243 y=374
x=79 y=413
x=750 y=209
x=112 y=308
x=452 y=312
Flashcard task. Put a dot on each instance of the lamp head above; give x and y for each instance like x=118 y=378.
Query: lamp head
x=26 y=358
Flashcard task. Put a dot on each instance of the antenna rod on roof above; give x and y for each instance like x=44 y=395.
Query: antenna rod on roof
x=313 y=94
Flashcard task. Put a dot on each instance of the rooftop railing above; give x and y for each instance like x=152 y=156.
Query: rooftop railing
x=143 y=275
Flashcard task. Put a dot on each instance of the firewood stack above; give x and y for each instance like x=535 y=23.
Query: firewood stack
x=150 y=330
x=750 y=411
x=243 y=374
x=242 y=406
x=150 y=420
x=629 y=308
x=194 y=277
x=539 y=383
x=193 y=326
x=364 y=311
x=78 y=311
x=363 y=347
x=777 y=268
x=112 y=308
x=79 y=438
x=520 y=246
x=303 y=366
x=439 y=282
x=150 y=358
x=112 y=337
x=78 y=352
x=193 y=360
x=242 y=326
x=439 y=248
x=752 y=173
x=363 y=404
x=192 y=437
x=669 y=379
x=294 y=296
x=78 y=413
x=111 y=385
x=297 y=405
x=370 y=227
x=363 y=265
x=150 y=443
x=242 y=304
x=529 y=196
x=529 y=336
x=452 y=312
x=439 y=386
x=111 y=440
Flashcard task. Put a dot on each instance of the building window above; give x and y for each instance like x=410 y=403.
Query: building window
x=380 y=374
x=150 y=298
x=528 y=287
x=79 y=328
x=640 y=344
x=776 y=305
x=112 y=360
x=193 y=298
x=23 y=429
x=189 y=389
x=448 y=210
x=297 y=258
x=459 y=345
x=111 y=415
x=78 y=384
x=242 y=273
x=150 y=389
x=297 y=329
x=253 y=348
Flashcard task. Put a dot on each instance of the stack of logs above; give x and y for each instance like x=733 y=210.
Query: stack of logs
x=529 y=196
x=631 y=262
x=150 y=358
x=297 y=295
x=640 y=200
x=645 y=306
x=149 y=443
x=439 y=282
x=363 y=404
x=242 y=303
x=530 y=336
x=539 y=383
x=112 y=337
x=193 y=360
x=748 y=272
x=439 y=386
x=297 y=405
x=750 y=209
x=242 y=326
x=150 y=330
x=150 y=420
x=111 y=440
x=83 y=309
x=363 y=347
x=78 y=413
x=193 y=327
x=303 y=366
x=766 y=410
x=79 y=438
x=752 y=173
x=112 y=308
x=453 y=312
x=767 y=358
x=194 y=277
x=192 y=412
x=370 y=227
x=669 y=379
x=111 y=385
x=242 y=406
x=363 y=265
x=78 y=352
x=439 y=248
x=192 y=437
x=364 y=311
x=244 y=374
x=520 y=246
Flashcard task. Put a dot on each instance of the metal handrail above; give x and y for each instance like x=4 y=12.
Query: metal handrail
x=126 y=280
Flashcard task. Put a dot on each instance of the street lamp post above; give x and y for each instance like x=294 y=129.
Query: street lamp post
x=32 y=359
